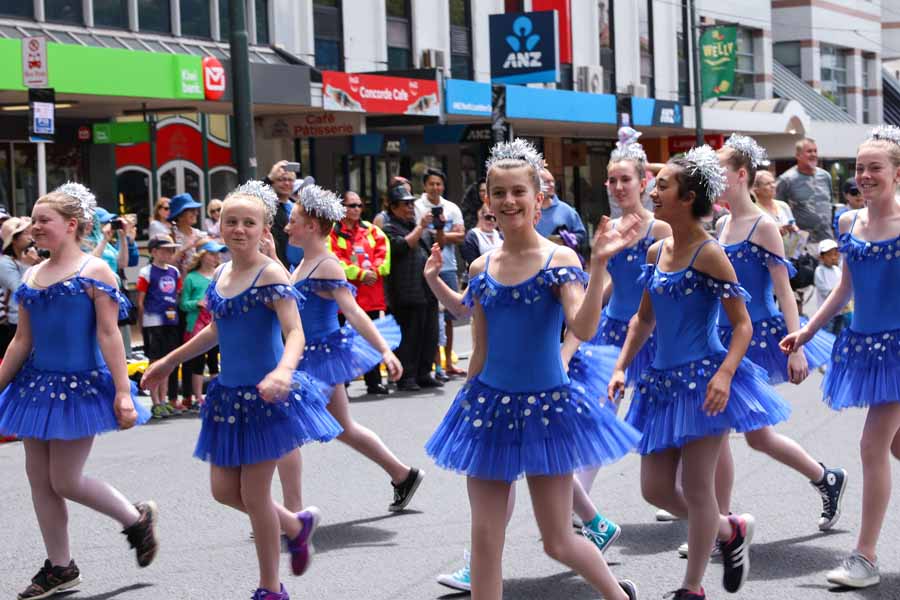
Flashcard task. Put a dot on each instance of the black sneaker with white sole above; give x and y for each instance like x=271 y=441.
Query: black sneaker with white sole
x=629 y=588
x=831 y=488
x=736 y=552
x=51 y=580
x=404 y=491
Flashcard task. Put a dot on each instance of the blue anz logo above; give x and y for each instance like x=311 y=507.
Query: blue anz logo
x=522 y=43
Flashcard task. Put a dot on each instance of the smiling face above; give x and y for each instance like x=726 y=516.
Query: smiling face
x=405 y=210
x=210 y=260
x=353 y=205
x=876 y=173
x=807 y=156
x=242 y=224
x=434 y=188
x=513 y=197
x=624 y=184
x=668 y=203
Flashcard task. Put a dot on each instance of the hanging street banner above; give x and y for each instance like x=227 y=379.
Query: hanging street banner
x=718 y=57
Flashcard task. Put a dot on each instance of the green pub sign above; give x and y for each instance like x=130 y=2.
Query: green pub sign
x=718 y=57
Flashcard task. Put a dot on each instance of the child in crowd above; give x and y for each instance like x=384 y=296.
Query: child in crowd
x=158 y=286
x=828 y=274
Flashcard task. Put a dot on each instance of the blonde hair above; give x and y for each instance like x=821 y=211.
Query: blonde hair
x=892 y=149
x=213 y=204
x=157 y=207
x=268 y=216
x=196 y=261
x=69 y=208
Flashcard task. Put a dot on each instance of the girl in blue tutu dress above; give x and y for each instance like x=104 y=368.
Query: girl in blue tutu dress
x=519 y=413
x=865 y=370
x=64 y=381
x=336 y=354
x=695 y=391
x=259 y=408
x=626 y=182
x=753 y=243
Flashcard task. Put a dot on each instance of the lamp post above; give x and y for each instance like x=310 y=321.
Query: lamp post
x=245 y=150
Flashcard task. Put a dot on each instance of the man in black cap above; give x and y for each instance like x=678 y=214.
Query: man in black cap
x=408 y=295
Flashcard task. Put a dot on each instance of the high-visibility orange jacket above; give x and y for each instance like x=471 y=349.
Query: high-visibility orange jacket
x=364 y=243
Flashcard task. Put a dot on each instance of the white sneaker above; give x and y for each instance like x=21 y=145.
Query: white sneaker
x=716 y=551
x=856 y=571
x=459 y=580
x=665 y=516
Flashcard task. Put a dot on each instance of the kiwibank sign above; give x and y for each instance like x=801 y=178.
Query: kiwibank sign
x=523 y=47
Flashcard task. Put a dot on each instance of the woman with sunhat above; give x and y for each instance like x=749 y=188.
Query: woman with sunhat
x=19 y=254
x=184 y=213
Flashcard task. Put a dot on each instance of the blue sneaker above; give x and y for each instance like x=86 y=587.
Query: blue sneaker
x=604 y=534
x=460 y=580
x=264 y=594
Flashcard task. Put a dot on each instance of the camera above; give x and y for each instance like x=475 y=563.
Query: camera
x=293 y=167
x=437 y=212
x=117 y=223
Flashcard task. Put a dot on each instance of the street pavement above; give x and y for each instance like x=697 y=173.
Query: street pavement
x=365 y=552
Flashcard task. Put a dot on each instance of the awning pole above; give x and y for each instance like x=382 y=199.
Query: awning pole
x=245 y=152
x=698 y=88
x=41 y=168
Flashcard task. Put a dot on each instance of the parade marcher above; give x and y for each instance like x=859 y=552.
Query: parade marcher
x=260 y=408
x=519 y=413
x=865 y=369
x=482 y=238
x=335 y=354
x=752 y=242
x=64 y=381
x=695 y=391
x=19 y=254
x=411 y=301
x=807 y=189
x=365 y=254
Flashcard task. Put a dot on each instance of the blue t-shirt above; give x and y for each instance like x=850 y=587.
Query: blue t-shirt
x=560 y=213
x=161 y=287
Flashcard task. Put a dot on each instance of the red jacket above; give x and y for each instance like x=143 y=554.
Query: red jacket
x=354 y=247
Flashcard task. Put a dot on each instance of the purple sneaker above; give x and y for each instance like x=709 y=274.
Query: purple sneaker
x=264 y=594
x=301 y=547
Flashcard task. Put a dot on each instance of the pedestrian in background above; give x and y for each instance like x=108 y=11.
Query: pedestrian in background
x=365 y=255
x=211 y=222
x=827 y=277
x=764 y=189
x=853 y=200
x=19 y=254
x=449 y=232
x=482 y=238
x=282 y=182
x=475 y=198
x=396 y=180
x=159 y=223
x=807 y=189
x=558 y=219
x=411 y=301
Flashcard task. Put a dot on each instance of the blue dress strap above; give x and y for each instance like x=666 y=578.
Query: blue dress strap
x=259 y=273
x=853 y=223
x=662 y=245
x=649 y=229
x=318 y=264
x=550 y=258
x=696 y=252
x=83 y=265
x=752 y=229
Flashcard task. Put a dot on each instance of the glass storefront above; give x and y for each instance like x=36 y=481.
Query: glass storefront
x=18 y=172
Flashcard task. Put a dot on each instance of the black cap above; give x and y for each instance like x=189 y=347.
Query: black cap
x=399 y=194
x=850 y=186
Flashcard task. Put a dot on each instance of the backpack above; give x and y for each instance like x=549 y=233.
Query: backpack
x=806 y=271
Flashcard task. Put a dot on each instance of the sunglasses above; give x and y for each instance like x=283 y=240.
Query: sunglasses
x=163 y=208
x=490 y=218
x=353 y=206
x=853 y=192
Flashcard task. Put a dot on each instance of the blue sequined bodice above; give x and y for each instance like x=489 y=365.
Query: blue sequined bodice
x=250 y=342
x=319 y=315
x=625 y=269
x=524 y=322
x=686 y=305
x=64 y=323
x=875 y=272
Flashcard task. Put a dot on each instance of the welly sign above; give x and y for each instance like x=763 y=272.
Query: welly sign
x=379 y=94
x=718 y=58
x=524 y=47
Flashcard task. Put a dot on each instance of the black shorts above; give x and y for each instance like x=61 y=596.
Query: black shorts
x=160 y=340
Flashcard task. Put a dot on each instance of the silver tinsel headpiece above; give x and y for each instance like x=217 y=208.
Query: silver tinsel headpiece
x=748 y=147
x=84 y=196
x=322 y=203
x=262 y=191
x=706 y=164
x=629 y=151
x=886 y=133
x=518 y=149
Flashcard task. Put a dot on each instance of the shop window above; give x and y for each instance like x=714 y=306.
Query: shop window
x=645 y=23
x=329 y=37
x=399 y=35
x=224 y=21
x=17 y=8
x=683 y=40
x=134 y=187
x=834 y=74
x=64 y=11
x=154 y=15
x=745 y=67
x=607 y=46
x=262 y=22
x=222 y=182
x=111 y=13
x=788 y=54
x=195 y=18
x=460 y=39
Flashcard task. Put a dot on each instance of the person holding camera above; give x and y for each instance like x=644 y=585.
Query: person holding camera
x=449 y=232
x=19 y=253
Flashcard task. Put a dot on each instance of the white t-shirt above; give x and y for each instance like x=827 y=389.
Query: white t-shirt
x=826 y=279
x=452 y=216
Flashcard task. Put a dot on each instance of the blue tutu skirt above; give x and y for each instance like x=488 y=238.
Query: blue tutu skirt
x=764 y=350
x=344 y=355
x=239 y=428
x=591 y=367
x=668 y=404
x=492 y=434
x=865 y=370
x=613 y=332
x=51 y=405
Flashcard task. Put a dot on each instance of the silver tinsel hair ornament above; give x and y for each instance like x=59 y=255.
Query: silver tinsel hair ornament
x=630 y=151
x=518 y=149
x=322 y=203
x=85 y=197
x=748 y=147
x=706 y=164
x=262 y=191
x=886 y=133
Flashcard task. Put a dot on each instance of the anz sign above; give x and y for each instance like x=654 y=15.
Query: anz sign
x=524 y=47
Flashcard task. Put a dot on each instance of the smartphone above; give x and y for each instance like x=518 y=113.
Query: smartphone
x=294 y=167
x=437 y=211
